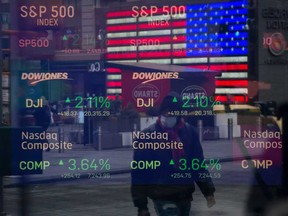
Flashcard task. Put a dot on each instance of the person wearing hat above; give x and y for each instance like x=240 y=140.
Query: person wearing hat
x=168 y=147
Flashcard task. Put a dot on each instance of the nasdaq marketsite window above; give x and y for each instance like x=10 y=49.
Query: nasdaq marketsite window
x=143 y=107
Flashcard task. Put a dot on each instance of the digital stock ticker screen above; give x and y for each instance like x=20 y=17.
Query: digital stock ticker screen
x=148 y=108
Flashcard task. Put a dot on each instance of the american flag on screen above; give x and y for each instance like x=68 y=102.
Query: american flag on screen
x=209 y=36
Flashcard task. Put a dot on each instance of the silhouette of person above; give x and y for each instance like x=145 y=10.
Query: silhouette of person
x=170 y=185
x=42 y=116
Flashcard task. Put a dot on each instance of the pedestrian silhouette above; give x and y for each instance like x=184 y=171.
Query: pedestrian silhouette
x=171 y=184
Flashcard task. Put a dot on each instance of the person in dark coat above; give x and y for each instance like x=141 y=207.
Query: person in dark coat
x=42 y=117
x=170 y=185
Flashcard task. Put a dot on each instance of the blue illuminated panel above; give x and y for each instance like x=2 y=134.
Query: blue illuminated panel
x=218 y=29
